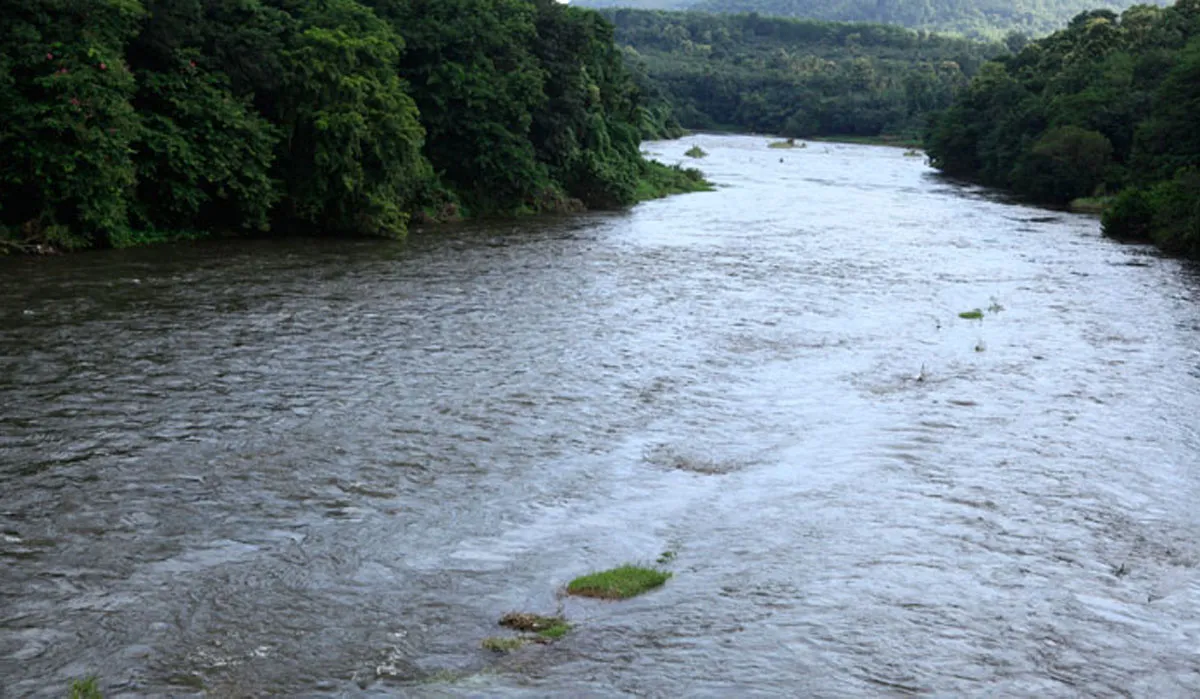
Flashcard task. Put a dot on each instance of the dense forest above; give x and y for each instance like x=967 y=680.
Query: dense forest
x=125 y=122
x=1110 y=104
x=795 y=77
x=986 y=19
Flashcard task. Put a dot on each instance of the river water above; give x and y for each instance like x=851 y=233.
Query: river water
x=312 y=468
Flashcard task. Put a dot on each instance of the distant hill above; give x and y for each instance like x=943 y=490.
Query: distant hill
x=795 y=77
x=638 y=4
x=975 y=18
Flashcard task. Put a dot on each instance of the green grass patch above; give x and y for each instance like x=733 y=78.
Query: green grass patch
x=534 y=623
x=1090 y=205
x=87 y=688
x=555 y=632
x=973 y=314
x=503 y=644
x=658 y=180
x=619 y=583
x=695 y=152
x=546 y=628
x=893 y=140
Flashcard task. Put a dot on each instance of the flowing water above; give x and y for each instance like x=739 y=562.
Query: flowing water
x=312 y=468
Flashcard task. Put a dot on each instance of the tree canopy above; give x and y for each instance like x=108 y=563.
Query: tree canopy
x=796 y=77
x=1107 y=105
x=128 y=121
x=986 y=19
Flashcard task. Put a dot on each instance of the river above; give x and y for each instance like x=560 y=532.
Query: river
x=320 y=468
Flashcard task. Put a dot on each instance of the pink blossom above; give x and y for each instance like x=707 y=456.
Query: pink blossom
x=49 y=57
x=75 y=101
x=103 y=67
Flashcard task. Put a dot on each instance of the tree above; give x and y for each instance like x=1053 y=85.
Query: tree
x=352 y=161
x=66 y=119
x=477 y=86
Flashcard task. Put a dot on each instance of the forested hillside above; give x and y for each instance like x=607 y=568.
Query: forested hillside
x=1109 y=104
x=124 y=122
x=976 y=18
x=796 y=77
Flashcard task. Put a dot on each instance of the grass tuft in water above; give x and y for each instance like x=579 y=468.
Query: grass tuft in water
x=546 y=628
x=555 y=632
x=790 y=143
x=666 y=557
x=87 y=688
x=534 y=623
x=619 y=583
x=503 y=644
x=974 y=314
x=695 y=152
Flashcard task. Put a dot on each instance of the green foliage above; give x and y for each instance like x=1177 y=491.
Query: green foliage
x=88 y=688
x=354 y=164
x=125 y=124
x=1107 y=104
x=796 y=78
x=556 y=631
x=695 y=152
x=587 y=132
x=1167 y=214
x=656 y=180
x=1168 y=139
x=618 y=583
x=980 y=18
x=1065 y=163
x=203 y=156
x=503 y=644
x=477 y=85
x=66 y=121
x=1130 y=217
x=546 y=627
x=1176 y=204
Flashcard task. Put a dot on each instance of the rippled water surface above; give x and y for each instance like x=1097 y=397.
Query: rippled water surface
x=312 y=468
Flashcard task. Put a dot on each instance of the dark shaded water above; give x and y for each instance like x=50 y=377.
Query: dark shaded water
x=318 y=469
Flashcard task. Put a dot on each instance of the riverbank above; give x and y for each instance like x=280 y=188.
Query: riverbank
x=656 y=181
x=891 y=141
x=1091 y=205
